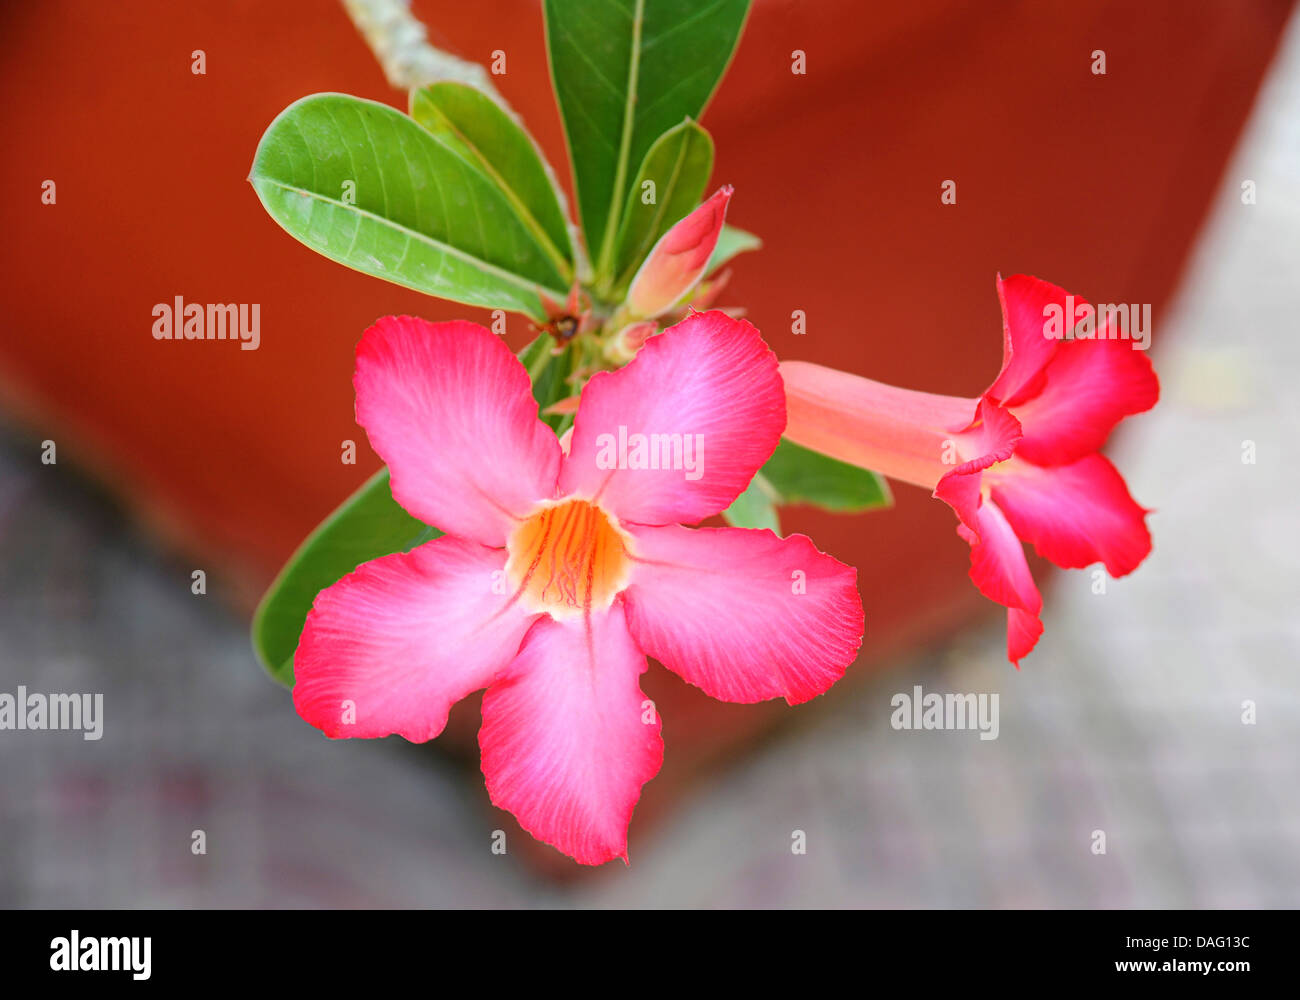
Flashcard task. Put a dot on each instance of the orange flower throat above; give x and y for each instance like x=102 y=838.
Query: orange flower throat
x=566 y=559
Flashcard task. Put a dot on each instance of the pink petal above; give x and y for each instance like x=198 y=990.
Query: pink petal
x=999 y=569
x=998 y=565
x=403 y=638
x=1025 y=349
x=742 y=614
x=1088 y=387
x=677 y=261
x=1075 y=515
x=566 y=745
x=1023 y=630
x=451 y=411
x=992 y=438
x=710 y=380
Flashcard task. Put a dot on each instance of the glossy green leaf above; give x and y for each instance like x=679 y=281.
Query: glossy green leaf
x=465 y=118
x=626 y=71
x=367 y=525
x=798 y=475
x=731 y=242
x=755 y=508
x=668 y=187
x=365 y=185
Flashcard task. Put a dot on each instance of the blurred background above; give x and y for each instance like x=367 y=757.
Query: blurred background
x=1123 y=187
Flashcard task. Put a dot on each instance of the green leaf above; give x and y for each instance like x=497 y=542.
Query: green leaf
x=625 y=71
x=365 y=185
x=464 y=118
x=798 y=475
x=731 y=242
x=754 y=508
x=369 y=524
x=678 y=166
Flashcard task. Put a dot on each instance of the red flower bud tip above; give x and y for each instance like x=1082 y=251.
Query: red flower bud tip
x=678 y=260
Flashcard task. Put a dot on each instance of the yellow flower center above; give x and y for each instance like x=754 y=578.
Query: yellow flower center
x=566 y=559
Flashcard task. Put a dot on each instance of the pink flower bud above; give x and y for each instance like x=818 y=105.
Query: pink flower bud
x=678 y=260
x=622 y=347
x=632 y=337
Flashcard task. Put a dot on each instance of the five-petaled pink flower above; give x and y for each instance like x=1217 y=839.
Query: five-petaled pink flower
x=561 y=572
x=1019 y=464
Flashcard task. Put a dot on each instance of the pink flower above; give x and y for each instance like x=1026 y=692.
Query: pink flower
x=1019 y=464
x=677 y=262
x=561 y=572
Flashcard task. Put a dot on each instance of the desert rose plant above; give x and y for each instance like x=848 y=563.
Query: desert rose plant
x=534 y=532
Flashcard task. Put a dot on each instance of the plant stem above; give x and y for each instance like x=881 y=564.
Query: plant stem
x=401 y=45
